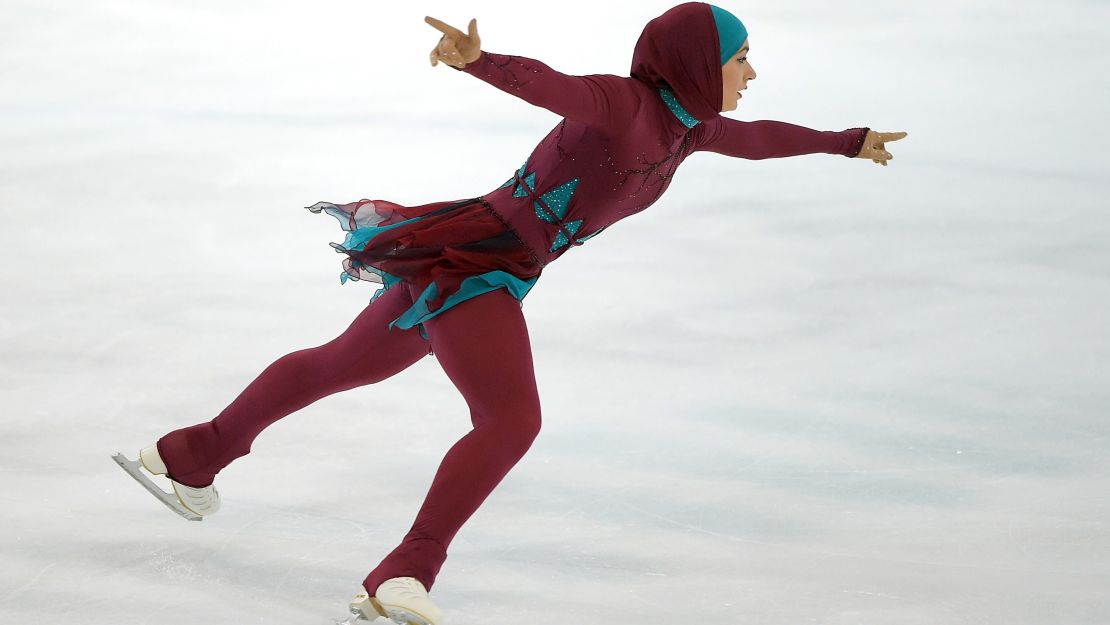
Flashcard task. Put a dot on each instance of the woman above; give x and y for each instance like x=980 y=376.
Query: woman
x=454 y=274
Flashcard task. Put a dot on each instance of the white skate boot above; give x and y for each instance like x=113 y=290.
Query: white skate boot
x=192 y=503
x=403 y=600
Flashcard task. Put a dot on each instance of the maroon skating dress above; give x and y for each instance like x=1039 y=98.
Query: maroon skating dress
x=612 y=155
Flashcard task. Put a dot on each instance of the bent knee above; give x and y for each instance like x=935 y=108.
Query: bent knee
x=517 y=431
x=530 y=427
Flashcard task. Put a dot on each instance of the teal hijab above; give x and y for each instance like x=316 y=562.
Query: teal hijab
x=730 y=31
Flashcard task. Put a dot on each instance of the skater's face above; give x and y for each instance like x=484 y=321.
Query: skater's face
x=735 y=74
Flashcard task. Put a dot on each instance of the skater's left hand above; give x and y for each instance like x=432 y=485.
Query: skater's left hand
x=874 y=148
x=455 y=47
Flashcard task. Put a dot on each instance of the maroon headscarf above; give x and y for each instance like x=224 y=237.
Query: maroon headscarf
x=680 y=50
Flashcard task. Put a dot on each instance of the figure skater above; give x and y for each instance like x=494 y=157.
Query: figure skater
x=454 y=274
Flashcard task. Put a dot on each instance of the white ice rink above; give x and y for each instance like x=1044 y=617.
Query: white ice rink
x=794 y=391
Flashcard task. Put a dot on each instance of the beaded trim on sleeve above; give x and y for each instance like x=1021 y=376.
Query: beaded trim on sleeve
x=858 y=147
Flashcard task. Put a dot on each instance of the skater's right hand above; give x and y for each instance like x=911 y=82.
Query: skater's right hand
x=455 y=47
x=874 y=146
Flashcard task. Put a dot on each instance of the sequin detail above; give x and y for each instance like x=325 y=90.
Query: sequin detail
x=529 y=181
x=550 y=207
x=857 y=147
x=557 y=200
x=561 y=239
x=683 y=116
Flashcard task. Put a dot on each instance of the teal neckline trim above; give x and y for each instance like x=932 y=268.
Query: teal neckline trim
x=683 y=116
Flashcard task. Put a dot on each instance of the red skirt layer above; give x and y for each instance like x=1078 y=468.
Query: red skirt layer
x=442 y=243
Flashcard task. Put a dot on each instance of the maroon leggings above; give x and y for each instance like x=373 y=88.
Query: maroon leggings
x=482 y=345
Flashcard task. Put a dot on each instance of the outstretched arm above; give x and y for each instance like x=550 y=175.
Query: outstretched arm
x=773 y=139
x=605 y=101
x=601 y=100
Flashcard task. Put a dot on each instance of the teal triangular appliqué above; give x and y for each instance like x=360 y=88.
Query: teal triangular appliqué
x=557 y=199
x=561 y=239
x=530 y=180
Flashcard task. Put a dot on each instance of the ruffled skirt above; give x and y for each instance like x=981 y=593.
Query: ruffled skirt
x=451 y=251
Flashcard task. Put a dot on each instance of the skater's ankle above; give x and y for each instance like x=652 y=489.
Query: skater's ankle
x=194 y=480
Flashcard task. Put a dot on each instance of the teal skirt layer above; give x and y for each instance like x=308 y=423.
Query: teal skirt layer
x=470 y=287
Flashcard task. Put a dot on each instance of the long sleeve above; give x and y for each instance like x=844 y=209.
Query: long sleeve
x=773 y=139
x=605 y=101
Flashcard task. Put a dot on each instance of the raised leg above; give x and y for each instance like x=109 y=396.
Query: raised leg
x=367 y=352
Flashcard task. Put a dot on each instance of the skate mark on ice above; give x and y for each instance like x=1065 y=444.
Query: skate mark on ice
x=19 y=591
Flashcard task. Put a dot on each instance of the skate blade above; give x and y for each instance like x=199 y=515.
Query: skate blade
x=134 y=469
x=357 y=615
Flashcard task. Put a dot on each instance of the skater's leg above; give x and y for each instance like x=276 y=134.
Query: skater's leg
x=367 y=352
x=482 y=345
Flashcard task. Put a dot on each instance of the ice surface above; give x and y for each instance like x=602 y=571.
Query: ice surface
x=862 y=395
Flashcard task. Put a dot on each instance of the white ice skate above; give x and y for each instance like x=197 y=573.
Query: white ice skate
x=403 y=600
x=192 y=503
